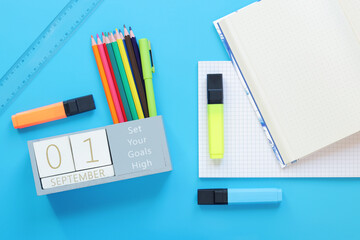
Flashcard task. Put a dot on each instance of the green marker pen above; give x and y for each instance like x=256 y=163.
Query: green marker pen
x=215 y=115
x=148 y=69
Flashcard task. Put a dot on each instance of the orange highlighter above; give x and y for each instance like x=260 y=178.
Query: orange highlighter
x=53 y=112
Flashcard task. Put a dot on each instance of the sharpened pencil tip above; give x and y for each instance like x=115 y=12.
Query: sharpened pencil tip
x=97 y=35
x=124 y=26
x=130 y=28
x=103 y=34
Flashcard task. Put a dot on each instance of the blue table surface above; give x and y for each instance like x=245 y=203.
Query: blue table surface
x=163 y=205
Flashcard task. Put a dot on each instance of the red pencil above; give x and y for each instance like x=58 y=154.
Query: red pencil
x=105 y=40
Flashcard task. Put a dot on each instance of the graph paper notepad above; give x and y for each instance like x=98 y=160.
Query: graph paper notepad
x=301 y=64
x=247 y=151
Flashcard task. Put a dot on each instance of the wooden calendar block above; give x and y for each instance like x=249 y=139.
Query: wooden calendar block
x=127 y=150
x=54 y=156
x=90 y=149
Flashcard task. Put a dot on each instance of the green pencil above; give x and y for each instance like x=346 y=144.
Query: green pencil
x=123 y=77
x=118 y=79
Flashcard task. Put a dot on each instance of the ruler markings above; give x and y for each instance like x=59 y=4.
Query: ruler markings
x=45 y=46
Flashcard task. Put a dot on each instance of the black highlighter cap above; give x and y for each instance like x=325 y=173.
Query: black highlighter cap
x=213 y=196
x=215 y=89
x=79 y=105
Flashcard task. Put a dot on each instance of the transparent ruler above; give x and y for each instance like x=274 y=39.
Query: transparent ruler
x=43 y=49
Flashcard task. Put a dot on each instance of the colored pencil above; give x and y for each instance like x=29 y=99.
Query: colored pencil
x=110 y=80
x=119 y=39
x=139 y=83
x=113 y=78
x=104 y=81
x=123 y=77
x=137 y=54
x=116 y=76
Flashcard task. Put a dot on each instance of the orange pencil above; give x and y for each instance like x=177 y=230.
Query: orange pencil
x=104 y=81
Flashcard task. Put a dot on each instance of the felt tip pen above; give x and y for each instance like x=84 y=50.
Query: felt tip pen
x=215 y=109
x=232 y=196
x=148 y=69
x=53 y=112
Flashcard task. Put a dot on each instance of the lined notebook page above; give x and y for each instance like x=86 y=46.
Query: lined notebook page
x=247 y=151
x=301 y=60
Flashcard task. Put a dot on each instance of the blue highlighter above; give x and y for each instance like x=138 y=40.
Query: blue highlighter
x=231 y=196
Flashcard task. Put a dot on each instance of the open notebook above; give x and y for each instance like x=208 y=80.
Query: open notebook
x=247 y=151
x=300 y=62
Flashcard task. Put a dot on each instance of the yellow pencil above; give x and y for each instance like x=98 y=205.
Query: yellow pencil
x=119 y=39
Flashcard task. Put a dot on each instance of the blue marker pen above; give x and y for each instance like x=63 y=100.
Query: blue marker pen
x=232 y=196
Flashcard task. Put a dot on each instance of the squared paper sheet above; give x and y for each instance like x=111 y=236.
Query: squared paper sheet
x=247 y=151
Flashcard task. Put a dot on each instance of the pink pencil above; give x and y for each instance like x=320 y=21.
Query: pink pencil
x=110 y=80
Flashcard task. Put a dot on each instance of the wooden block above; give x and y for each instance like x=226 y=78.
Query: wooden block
x=90 y=149
x=130 y=156
x=54 y=156
x=77 y=177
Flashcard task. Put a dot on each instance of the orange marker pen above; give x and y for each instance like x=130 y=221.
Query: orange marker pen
x=53 y=112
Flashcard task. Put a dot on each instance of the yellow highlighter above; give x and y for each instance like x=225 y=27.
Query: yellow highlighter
x=215 y=115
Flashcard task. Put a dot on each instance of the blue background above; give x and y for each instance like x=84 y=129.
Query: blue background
x=164 y=205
